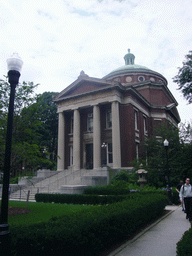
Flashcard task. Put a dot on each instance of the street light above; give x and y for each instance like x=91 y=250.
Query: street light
x=14 y=64
x=166 y=145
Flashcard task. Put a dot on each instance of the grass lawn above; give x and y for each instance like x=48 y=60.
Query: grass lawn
x=41 y=212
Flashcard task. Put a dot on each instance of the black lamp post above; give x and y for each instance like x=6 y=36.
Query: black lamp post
x=14 y=64
x=166 y=145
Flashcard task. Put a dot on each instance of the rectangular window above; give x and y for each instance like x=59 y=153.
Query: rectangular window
x=145 y=125
x=71 y=155
x=108 y=119
x=90 y=122
x=110 y=153
x=136 y=120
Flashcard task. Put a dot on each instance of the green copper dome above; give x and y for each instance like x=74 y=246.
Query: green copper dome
x=129 y=67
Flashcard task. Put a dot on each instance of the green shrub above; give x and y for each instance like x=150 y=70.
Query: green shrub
x=184 y=246
x=78 y=199
x=106 y=190
x=126 y=176
x=88 y=232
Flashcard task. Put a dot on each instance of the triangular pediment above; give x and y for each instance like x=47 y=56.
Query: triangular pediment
x=83 y=85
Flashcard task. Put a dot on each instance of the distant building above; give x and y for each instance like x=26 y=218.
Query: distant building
x=102 y=122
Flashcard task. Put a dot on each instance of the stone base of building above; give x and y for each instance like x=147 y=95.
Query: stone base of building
x=72 y=189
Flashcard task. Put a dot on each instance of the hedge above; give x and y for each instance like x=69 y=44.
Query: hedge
x=106 y=190
x=89 y=232
x=184 y=246
x=114 y=190
x=78 y=199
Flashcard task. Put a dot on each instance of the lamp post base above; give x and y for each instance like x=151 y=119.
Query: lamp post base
x=4 y=240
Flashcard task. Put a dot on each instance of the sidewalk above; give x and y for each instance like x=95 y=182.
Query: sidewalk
x=160 y=238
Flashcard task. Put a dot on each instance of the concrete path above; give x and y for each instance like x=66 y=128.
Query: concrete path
x=160 y=238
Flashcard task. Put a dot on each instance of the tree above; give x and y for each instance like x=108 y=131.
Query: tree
x=47 y=110
x=24 y=96
x=34 y=142
x=154 y=156
x=184 y=78
x=185 y=132
x=39 y=124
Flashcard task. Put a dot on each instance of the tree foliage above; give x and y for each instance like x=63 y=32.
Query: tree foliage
x=34 y=141
x=39 y=124
x=185 y=132
x=24 y=96
x=153 y=156
x=184 y=78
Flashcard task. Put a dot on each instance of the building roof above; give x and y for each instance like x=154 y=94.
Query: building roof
x=85 y=85
x=130 y=67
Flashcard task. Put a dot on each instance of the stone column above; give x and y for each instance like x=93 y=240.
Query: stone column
x=116 y=135
x=61 y=143
x=76 y=140
x=96 y=138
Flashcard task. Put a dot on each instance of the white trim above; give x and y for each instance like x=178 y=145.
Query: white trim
x=158 y=115
x=129 y=100
x=90 y=100
x=157 y=119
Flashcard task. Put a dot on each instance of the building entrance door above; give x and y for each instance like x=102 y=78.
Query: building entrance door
x=89 y=156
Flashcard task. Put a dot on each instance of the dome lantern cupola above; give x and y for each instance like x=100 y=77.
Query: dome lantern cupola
x=129 y=58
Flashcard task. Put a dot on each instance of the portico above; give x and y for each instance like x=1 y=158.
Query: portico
x=89 y=120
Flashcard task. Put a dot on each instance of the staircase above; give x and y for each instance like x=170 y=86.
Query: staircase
x=65 y=182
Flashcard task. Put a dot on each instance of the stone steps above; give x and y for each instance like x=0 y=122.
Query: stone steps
x=67 y=181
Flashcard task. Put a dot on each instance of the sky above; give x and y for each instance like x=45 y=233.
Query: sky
x=57 y=39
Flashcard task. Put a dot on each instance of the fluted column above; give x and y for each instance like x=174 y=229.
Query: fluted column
x=96 y=138
x=61 y=143
x=116 y=135
x=76 y=140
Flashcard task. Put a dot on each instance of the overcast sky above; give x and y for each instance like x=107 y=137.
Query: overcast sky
x=57 y=39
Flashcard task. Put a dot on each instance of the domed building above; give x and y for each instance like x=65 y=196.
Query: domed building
x=102 y=122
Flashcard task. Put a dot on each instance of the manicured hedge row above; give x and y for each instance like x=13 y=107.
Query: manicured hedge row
x=113 y=190
x=174 y=195
x=78 y=199
x=184 y=246
x=106 y=190
x=89 y=232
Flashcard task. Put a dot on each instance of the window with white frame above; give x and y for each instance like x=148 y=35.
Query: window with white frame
x=145 y=125
x=108 y=119
x=90 y=122
x=136 y=119
x=70 y=155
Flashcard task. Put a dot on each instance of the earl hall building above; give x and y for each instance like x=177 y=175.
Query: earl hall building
x=102 y=122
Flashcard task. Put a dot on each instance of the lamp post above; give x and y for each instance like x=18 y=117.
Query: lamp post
x=14 y=64
x=166 y=145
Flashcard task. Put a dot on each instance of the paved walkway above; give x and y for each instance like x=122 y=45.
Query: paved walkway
x=160 y=238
